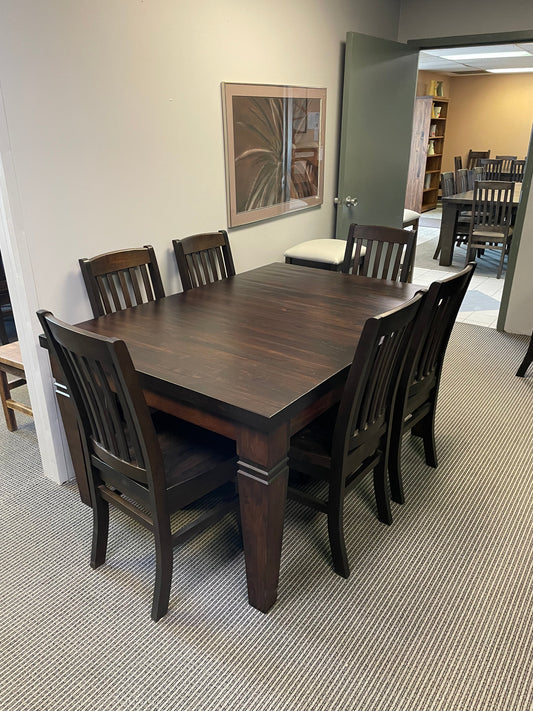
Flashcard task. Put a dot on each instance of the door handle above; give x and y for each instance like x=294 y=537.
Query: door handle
x=348 y=201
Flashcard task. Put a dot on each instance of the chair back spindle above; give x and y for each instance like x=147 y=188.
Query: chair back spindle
x=203 y=259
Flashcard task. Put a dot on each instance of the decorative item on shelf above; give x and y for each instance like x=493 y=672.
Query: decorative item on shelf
x=431 y=148
x=433 y=129
x=440 y=89
x=427 y=181
x=433 y=87
x=436 y=111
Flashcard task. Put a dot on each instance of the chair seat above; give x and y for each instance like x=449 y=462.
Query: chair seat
x=410 y=216
x=328 y=251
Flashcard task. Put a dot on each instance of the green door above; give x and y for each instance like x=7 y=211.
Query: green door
x=377 y=116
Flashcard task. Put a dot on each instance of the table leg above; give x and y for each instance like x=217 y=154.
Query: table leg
x=262 y=478
x=447 y=232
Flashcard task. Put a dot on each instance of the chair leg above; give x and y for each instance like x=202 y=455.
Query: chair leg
x=100 y=531
x=164 y=558
x=380 y=492
x=336 y=534
x=500 y=267
x=395 y=465
x=426 y=429
x=528 y=359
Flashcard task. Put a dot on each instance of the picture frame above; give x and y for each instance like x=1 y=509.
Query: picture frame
x=274 y=149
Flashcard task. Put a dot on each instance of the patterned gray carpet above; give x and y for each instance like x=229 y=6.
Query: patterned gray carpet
x=436 y=616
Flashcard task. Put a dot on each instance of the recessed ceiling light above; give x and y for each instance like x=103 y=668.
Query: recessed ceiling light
x=490 y=55
x=515 y=70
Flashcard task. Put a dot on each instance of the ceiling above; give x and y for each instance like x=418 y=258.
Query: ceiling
x=486 y=60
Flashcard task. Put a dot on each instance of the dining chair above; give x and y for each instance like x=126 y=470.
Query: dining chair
x=490 y=224
x=461 y=180
x=528 y=359
x=328 y=253
x=121 y=279
x=447 y=183
x=379 y=252
x=351 y=439
x=517 y=171
x=474 y=157
x=416 y=401
x=203 y=259
x=457 y=163
x=492 y=168
x=506 y=164
x=148 y=467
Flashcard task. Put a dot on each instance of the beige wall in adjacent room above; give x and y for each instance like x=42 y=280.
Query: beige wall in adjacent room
x=489 y=113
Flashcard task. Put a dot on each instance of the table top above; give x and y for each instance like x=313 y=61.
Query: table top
x=254 y=347
x=468 y=196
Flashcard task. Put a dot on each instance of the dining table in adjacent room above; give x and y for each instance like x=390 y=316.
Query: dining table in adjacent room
x=254 y=357
x=452 y=206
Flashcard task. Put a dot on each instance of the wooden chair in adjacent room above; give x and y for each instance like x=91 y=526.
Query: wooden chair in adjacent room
x=490 y=225
x=517 y=171
x=492 y=168
x=528 y=359
x=506 y=165
x=203 y=259
x=351 y=439
x=121 y=279
x=379 y=252
x=416 y=400
x=328 y=253
x=457 y=163
x=148 y=468
x=474 y=157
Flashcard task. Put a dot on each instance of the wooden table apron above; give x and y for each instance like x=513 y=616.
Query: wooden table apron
x=451 y=207
x=254 y=357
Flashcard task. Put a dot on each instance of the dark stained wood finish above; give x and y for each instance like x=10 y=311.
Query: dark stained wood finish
x=147 y=467
x=379 y=252
x=517 y=171
x=528 y=359
x=416 y=400
x=255 y=358
x=121 y=279
x=452 y=206
x=353 y=439
x=474 y=157
x=203 y=259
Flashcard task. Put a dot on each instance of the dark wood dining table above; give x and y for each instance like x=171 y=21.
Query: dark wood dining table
x=452 y=205
x=254 y=357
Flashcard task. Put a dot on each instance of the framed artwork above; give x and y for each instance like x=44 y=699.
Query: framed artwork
x=274 y=141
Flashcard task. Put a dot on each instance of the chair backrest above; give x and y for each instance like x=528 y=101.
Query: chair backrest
x=203 y=259
x=517 y=170
x=492 y=206
x=474 y=157
x=431 y=333
x=379 y=252
x=492 y=168
x=461 y=180
x=121 y=279
x=118 y=435
x=447 y=183
x=457 y=163
x=478 y=174
x=365 y=408
x=506 y=162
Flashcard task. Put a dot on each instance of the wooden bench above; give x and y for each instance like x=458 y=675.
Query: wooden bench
x=11 y=362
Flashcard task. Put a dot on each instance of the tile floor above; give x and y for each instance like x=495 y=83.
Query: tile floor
x=482 y=301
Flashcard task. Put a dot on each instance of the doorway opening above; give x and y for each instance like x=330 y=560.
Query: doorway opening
x=474 y=75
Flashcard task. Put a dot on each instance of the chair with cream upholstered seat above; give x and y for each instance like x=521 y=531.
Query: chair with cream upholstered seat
x=329 y=253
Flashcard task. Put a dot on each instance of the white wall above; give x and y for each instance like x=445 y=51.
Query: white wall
x=112 y=136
